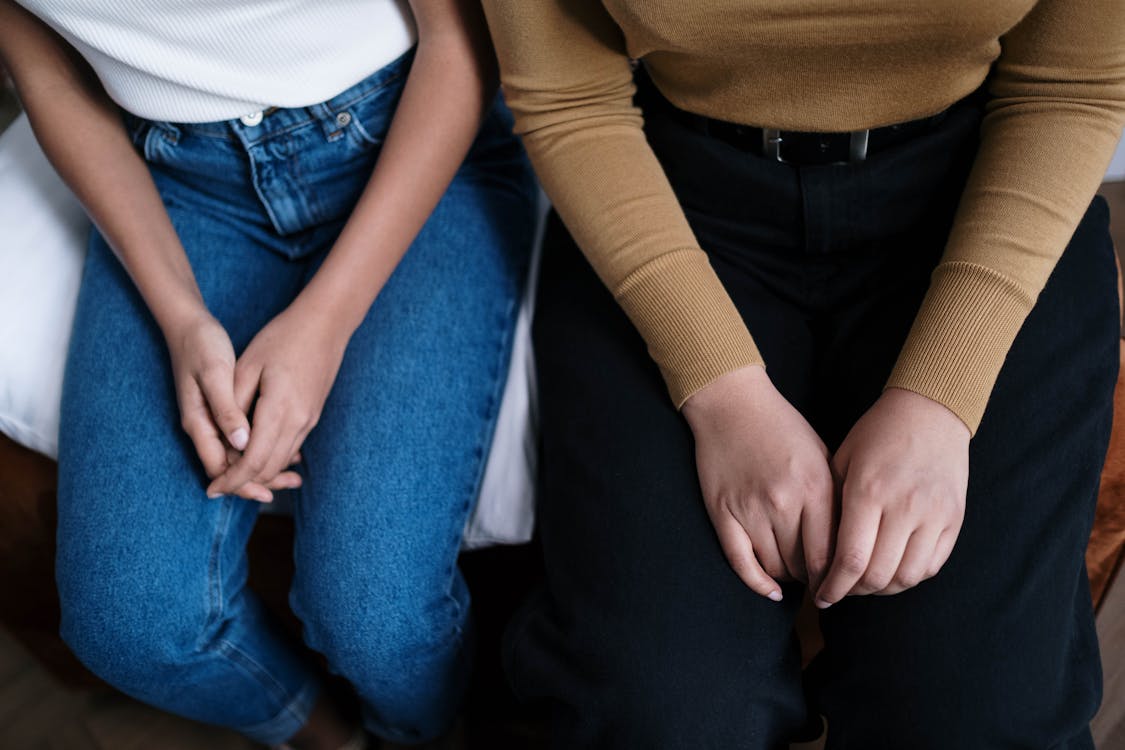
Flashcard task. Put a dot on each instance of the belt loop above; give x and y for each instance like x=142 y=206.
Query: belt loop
x=326 y=118
x=167 y=130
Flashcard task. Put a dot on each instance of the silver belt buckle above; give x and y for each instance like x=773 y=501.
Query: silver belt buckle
x=771 y=144
x=857 y=148
x=772 y=140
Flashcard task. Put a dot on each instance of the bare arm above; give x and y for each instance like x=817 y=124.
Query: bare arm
x=1054 y=118
x=451 y=82
x=81 y=133
x=291 y=364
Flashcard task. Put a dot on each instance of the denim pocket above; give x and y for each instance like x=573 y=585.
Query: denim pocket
x=364 y=111
x=369 y=116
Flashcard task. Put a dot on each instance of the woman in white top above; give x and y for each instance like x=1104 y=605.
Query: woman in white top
x=257 y=172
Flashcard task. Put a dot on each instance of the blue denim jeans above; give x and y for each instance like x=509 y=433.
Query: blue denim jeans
x=151 y=573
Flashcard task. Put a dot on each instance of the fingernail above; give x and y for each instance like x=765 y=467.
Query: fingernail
x=822 y=604
x=214 y=495
x=239 y=438
x=774 y=596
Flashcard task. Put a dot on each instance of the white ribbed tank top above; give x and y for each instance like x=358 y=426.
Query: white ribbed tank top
x=208 y=60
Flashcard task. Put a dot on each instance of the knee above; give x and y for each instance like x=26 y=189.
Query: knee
x=645 y=680
x=403 y=649
x=941 y=702
x=131 y=641
x=655 y=699
x=389 y=643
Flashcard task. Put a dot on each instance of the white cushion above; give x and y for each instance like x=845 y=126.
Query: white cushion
x=505 y=513
x=42 y=246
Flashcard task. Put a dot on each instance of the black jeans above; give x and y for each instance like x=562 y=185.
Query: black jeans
x=643 y=636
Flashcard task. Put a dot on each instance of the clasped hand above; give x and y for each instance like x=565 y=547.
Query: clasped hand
x=282 y=380
x=878 y=517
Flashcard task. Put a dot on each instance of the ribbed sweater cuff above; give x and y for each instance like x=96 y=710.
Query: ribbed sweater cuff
x=960 y=338
x=693 y=330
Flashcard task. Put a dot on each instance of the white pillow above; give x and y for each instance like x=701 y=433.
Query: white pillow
x=42 y=247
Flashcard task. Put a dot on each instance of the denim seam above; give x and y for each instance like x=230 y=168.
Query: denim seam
x=485 y=436
x=254 y=180
x=241 y=659
x=223 y=137
x=329 y=107
x=215 y=572
x=366 y=139
x=224 y=647
x=295 y=712
x=365 y=95
x=271 y=134
x=334 y=109
x=136 y=123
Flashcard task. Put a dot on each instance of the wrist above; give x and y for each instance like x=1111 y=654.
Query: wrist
x=333 y=302
x=167 y=285
x=325 y=319
x=717 y=397
x=924 y=408
x=178 y=314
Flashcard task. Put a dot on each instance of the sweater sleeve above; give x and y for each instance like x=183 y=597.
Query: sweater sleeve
x=569 y=83
x=1055 y=115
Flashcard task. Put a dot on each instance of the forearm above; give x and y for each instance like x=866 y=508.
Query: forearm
x=81 y=133
x=450 y=85
x=569 y=83
x=1057 y=108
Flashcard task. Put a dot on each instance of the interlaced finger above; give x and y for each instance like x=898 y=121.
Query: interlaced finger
x=201 y=429
x=741 y=556
x=894 y=532
x=855 y=542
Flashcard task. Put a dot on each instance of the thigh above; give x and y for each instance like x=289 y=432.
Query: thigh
x=134 y=520
x=644 y=637
x=394 y=465
x=999 y=649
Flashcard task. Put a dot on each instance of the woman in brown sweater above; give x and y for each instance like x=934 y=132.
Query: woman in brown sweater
x=889 y=205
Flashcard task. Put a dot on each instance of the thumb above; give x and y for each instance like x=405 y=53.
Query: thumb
x=247 y=375
x=217 y=385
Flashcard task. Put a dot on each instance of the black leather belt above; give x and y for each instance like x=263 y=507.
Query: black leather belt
x=801 y=148
x=790 y=146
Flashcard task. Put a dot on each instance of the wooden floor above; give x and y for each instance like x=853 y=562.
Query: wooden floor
x=37 y=713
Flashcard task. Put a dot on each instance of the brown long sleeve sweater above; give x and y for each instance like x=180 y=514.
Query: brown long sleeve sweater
x=1056 y=111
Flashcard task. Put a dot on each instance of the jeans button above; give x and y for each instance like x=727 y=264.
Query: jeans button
x=343 y=119
x=251 y=120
